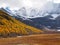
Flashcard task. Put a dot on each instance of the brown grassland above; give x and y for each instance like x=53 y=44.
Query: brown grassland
x=40 y=39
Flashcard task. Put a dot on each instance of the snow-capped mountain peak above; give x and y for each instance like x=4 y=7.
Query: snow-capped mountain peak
x=49 y=8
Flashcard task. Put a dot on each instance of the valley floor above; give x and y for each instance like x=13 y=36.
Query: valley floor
x=39 y=39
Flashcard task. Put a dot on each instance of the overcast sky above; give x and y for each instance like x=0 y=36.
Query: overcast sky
x=24 y=3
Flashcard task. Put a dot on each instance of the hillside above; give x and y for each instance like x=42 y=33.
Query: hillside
x=11 y=27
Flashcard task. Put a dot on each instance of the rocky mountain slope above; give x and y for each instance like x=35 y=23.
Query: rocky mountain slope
x=11 y=27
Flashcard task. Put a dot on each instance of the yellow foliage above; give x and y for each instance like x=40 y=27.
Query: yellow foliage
x=10 y=25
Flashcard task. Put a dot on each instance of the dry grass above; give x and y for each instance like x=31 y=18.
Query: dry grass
x=41 y=39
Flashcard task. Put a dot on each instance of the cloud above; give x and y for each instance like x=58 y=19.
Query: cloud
x=20 y=3
x=11 y=3
x=57 y=1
